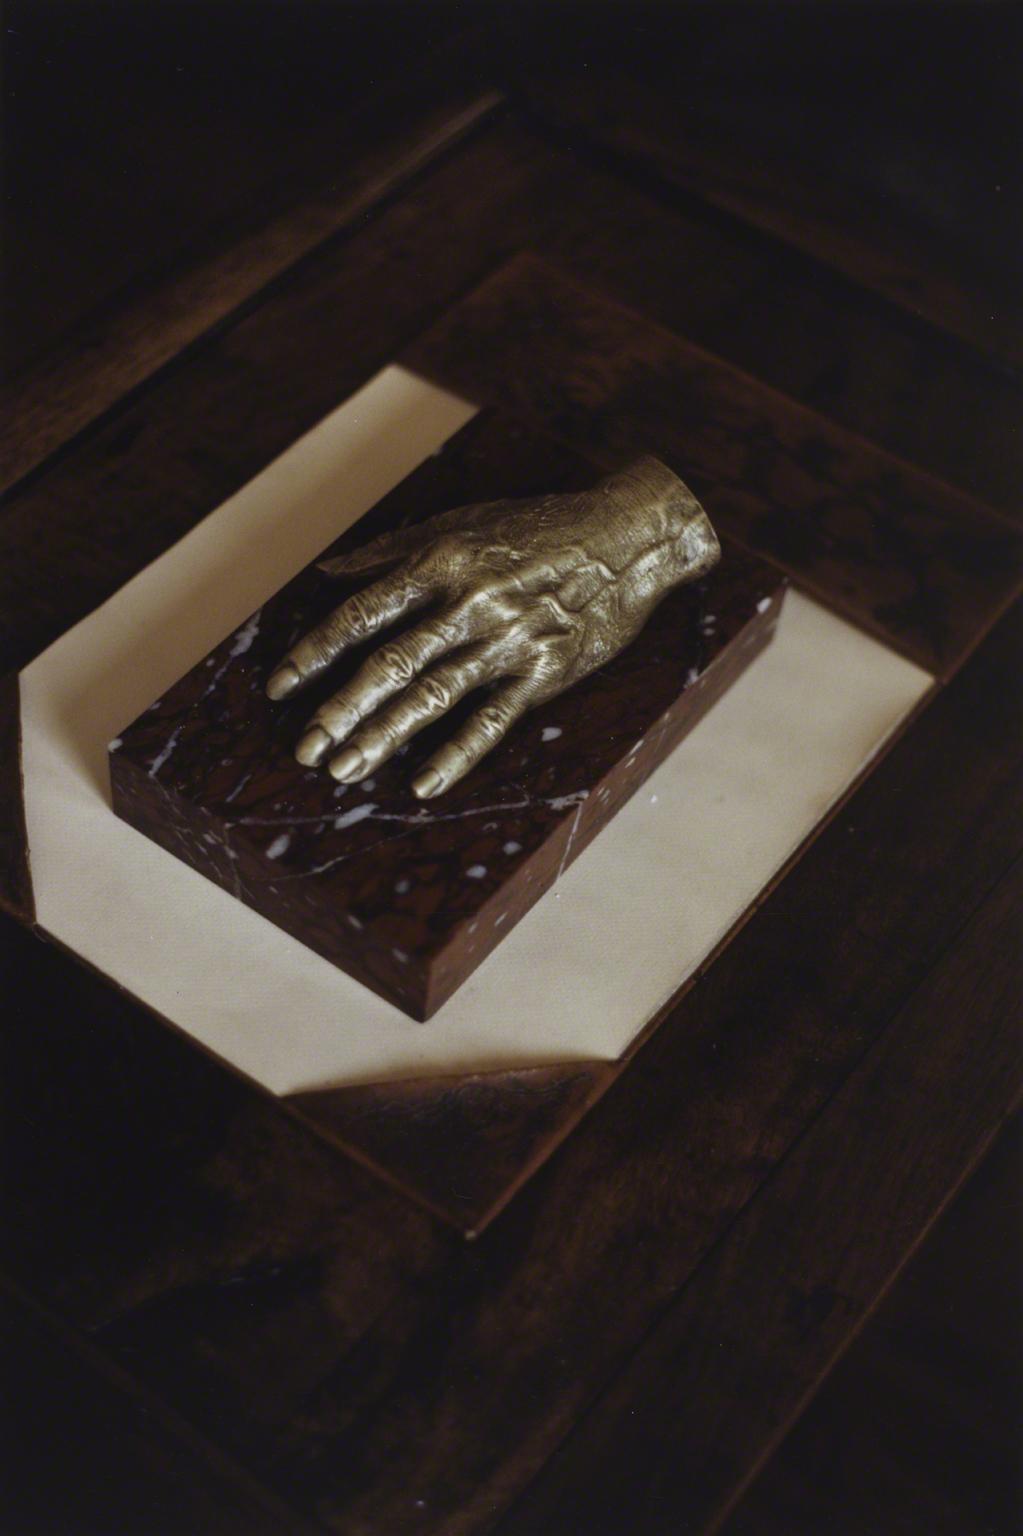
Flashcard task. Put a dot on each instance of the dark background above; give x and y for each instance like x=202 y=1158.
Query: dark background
x=137 y=132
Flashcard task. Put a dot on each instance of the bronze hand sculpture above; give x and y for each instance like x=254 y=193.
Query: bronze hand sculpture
x=527 y=597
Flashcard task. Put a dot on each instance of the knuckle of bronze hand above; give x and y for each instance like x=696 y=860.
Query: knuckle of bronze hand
x=557 y=619
x=480 y=601
x=433 y=693
x=517 y=639
x=396 y=663
x=354 y=616
x=550 y=663
x=491 y=720
x=448 y=627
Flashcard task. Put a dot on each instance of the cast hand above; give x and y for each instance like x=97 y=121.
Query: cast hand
x=527 y=597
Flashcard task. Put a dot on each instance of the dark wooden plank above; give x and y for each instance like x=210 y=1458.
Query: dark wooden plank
x=15 y=879
x=781 y=318
x=150 y=471
x=117 y=350
x=718 y=1381
x=908 y=557
x=451 y=1401
x=824 y=344
x=839 y=223
x=171 y=126
x=81 y=1450
x=918 y=1426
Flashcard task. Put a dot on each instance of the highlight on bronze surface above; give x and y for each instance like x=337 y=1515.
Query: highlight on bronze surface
x=526 y=597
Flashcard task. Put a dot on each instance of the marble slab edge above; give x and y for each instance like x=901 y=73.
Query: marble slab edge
x=15 y=871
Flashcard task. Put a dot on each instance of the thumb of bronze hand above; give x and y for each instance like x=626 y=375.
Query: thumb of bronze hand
x=494 y=575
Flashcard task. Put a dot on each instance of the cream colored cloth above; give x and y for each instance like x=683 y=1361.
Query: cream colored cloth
x=596 y=957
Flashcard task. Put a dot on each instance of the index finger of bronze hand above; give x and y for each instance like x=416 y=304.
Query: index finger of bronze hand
x=355 y=620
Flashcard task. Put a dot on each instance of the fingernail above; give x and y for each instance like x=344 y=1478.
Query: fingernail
x=349 y=764
x=282 y=682
x=312 y=746
x=427 y=783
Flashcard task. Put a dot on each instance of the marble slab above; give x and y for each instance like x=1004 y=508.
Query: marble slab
x=410 y=898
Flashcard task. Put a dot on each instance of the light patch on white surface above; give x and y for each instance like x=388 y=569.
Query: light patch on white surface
x=593 y=960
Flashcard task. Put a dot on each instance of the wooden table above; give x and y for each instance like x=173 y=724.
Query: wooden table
x=270 y=1337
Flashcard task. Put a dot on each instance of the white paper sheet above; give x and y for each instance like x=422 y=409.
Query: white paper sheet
x=597 y=956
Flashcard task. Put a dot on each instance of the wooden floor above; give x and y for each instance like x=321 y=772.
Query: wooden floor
x=917 y=1428
x=762 y=1287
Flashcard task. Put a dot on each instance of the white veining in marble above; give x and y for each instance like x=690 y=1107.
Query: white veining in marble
x=353 y=817
x=236 y=791
x=573 y=829
x=166 y=751
x=245 y=636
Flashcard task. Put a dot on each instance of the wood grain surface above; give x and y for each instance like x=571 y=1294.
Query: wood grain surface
x=789 y=322
x=175 y=450
x=850 y=228
x=808 y=1259
x=628 y=1340
x=124 y=1452
x=937 y=1369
